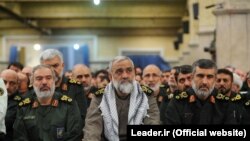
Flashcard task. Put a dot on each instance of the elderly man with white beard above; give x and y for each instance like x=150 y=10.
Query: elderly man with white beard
x=200 y=104
x=123 y=102
x=152 y=78
x=49 y=115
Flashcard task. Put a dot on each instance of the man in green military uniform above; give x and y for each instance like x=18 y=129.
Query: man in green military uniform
x=82 y=74
x=10 y=79
x=123 y=102
x=69 y=87
x=199 y=105
x=48 y=115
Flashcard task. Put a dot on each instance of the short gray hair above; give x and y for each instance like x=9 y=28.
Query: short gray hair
x=118 y=59
x=49 y=54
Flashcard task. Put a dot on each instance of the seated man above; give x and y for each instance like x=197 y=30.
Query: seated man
x=49 y=115
x=199 y=104
x=123 y=102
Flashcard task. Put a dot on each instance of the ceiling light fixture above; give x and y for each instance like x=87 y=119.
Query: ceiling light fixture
x=37 y=47
x=97 y=2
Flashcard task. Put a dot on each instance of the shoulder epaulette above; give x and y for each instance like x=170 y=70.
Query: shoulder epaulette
x=66 y=99
x=24 y=102
x=220 y=96
x=147 y=90
x=182 y=95
x=99 y=92
x=247 y=103
x=237 y=97
x=74 y=81
x=162 y=86
x=17 y=98
x=168 y=90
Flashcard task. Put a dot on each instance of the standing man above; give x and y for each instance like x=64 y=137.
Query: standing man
x=199 y=104
x=48 y=116
x=69 y=87
x=3 y=108
x=123 y=102
x=10 y=79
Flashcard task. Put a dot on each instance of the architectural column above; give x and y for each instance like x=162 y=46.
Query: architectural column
x=233 y=34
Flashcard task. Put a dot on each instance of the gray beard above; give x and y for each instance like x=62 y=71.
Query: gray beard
x=156 y=87
x=202 y=94
x=44 y=94
x=124 y=88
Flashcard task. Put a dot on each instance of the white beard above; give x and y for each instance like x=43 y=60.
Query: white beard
x=124 y=87
x=44 y=94
x=156 y=87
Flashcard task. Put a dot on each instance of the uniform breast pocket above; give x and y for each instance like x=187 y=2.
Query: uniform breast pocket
x=188 y=118
x=31 y=125
x=58 y=131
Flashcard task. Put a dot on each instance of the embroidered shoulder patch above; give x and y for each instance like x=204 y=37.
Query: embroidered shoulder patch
x=168 y=90
x=182 y=95
x=24 y=102
x=147 y=90
x=162 y=86
x=236 y=98
x=17 y=98
x=99 y=92
x=74 y=81
x=66 y=98
x=220 y=96
x=247 y=103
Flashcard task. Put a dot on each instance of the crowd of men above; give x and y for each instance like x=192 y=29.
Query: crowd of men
x=46 y=103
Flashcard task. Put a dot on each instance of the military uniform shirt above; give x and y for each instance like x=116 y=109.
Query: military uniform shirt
x=10 y=117
x=186 y=108
x=74 y=89
x=59 y=121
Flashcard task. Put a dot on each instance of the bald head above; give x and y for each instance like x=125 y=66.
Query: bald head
x=151 y=68
x=10 y=79
x=82 y=73
x=80 y=67
x=152 y=77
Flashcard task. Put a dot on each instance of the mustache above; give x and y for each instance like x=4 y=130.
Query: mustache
x=204 y=86
x=125 y=81
x=45 y=88
x=221 y=87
